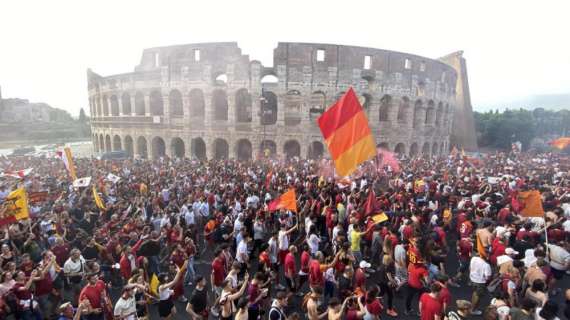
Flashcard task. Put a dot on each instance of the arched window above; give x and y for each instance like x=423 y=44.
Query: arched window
x=126 y=102
x=175 y=103
x=114 y=106
x=385 y=107
x=403 y=110
x=220 y=105
x=197 y=105
x=139 y=104
x=293 y=101
x=243 y=106
x=156 y=104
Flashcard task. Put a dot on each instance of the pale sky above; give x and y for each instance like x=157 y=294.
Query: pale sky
x=513 y=48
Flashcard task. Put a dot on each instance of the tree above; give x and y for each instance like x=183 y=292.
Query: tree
x=82 y=117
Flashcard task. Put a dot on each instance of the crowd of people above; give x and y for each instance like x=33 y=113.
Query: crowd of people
x=198 y=238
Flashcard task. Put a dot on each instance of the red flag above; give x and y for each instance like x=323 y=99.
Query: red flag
x=387 y=158
x=288 y=201
x=532 y=204
x=371 y=206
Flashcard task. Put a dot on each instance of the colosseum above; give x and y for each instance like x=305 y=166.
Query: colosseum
x=208 y=100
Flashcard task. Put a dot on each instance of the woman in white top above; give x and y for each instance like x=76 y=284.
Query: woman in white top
x=313 y=240
x=166 y=306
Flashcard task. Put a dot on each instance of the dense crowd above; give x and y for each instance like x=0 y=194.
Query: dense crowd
x=138 y=257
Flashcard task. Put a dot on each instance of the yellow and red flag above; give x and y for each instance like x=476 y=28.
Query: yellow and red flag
x=560 y=143
x=98 y=200
x=531 y=204
x=15 y=207
x=346 y=133
x=67 y=159
x=288 y=201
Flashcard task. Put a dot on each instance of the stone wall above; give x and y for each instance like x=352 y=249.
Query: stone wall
x=209 y=100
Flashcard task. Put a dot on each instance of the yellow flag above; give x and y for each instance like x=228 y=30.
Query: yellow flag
x=16 y=207
x=381 y=217
x=154 y=284
x=98 y=200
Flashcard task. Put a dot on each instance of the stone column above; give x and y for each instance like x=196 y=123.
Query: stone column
x=120 y=104
x=209 y=109
x=166 y=108
x=231 y=98
x=147 y=105
x=133 y=104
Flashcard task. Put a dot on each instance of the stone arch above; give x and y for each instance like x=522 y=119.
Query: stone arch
x=142 y=149
x=221 y=79
x=197 y=104
x=418 y=114
x=434 y=149
x=128 y=141
x=108 y=146
x=383 y=145
x=175 y=103
x=243 y=106
x=367 y=101
x=414 y=150
x=221 y=149
x=243 y=150
x=385 y=108
x=439 y=114
x=268 y=108
x=114 y=106
x=140 y=109
x=403 y=110
x=430 y=113
x=425 y=149
x=291 y=149
x=220 y=105
x=318 y=102
x=198 y=148
x=117 y=143
x=101 y=143
x=293 y=102
x=126 y=103
x=400 y=149
x=156 y=104
x=158 y=148
x=442 y=150
x=268 y=148
x=269 y=78
x=105 y=106
x=177 y=148
x=316 y=150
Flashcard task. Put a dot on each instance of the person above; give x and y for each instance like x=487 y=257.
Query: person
x=197 y=306
x=479 y=274
x=66 y=311
x=283 y=241
x=242 y=309
x=27 y=307
x=430 y=306
x=290 y=268
x=567 y=304
x=549 y=311
x=335 y=309
x=417 y=281
x=277 y=311
x=312 y=303
x=463 y=311
x=228 y=296
x=94 y=293
x=166 y=306
x=74 y=270
x=525 y=311
x=387 y=282
x=126 y=307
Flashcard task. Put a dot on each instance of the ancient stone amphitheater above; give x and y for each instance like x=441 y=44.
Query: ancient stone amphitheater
x=208 y=100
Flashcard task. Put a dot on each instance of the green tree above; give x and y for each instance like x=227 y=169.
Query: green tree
x=82 y=117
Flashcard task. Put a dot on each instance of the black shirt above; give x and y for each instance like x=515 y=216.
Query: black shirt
x=199 y=300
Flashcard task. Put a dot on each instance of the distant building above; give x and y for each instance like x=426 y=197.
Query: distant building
x=22 y=110
x=208 y=100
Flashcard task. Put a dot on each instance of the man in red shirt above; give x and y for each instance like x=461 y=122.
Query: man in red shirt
x=464 y=250
x=316 y=269
x=93 y=293
x=289 y=268
x=430 y=307
x=304 y=272
x=444 y=294
x=218 y=272
x=417 y=279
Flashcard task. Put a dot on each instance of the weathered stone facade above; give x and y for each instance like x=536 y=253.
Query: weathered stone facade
x=207 y=100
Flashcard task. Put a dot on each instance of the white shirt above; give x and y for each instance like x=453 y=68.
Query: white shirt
x=283 y=240
x=241 y=250
x=559 y=257
x=188 y=215
x=479 y=270
x=313 y=243
x=71 y=266
x=272 y=250
x=125 y=308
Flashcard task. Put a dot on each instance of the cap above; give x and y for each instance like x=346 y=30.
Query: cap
x=364 y=265
x=463 y=304
x=511 y=251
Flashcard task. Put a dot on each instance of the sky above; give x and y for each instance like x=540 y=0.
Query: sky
x=513 y=48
